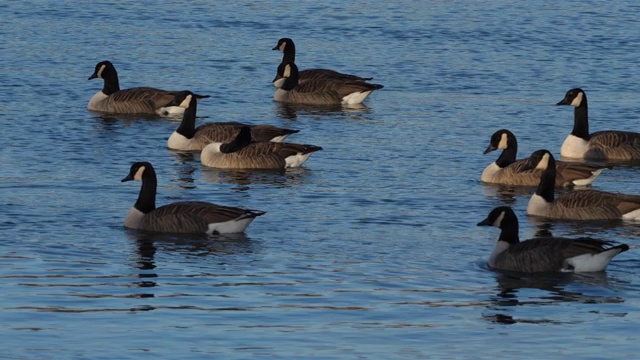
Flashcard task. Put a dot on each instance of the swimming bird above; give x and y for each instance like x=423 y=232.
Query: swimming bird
x=509 y=171
x=545 y=254
x=600 y=145
x=576 y=205
x=191 y=217
x=189 y=137
x=321 y=91
x=242 y=153
x=137 y=100
x=288 y=49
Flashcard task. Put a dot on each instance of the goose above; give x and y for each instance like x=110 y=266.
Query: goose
x=576 y=205
x=137 y=100
x=321 y=92
x=509 y=171
x=545 y=254
x=189 y=137
x=288 y=49
x=194 y=217
x=241 y=153
x=600 y=145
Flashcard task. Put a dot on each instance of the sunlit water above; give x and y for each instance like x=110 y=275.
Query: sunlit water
x=371 y=249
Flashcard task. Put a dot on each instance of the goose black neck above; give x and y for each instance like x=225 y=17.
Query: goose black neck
x=581 y=120
x=289 y=53
x=111 y=83
x=508 y=155
x=147 y=198
x=546 y=187
x=241 y=141
x=187 y=126
x=509 y=232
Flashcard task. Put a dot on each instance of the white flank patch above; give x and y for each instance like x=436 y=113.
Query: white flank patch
x=170 y=110
x=355 y=97
x=490 y=172
x=633 y=215
x=501 y=246
x=503 y=142
x=180 y=142
x=279 y=138
x=537 y=206
x=592 y=263
x=578 y=100
x=132 y=221
x=587 y=181
x=229 y=227
x=574 y=147
x=96 y=100
x=296 y=160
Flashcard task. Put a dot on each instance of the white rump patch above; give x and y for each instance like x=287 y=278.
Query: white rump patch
x=296 y=160
x=355 y=97
x=587 y=181
x=632 y=215
x=592 y=263
x=229 y=227
x=574 y=147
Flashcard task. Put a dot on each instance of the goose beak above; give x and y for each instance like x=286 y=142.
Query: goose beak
x=127 y=178
x=276 y=48
x=93 y=76
x=485 y=222
x=489 y=149
x=563 y=102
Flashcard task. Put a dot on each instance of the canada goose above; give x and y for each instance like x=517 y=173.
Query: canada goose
x=137 y=100
x=600 y=145
x=321 y=92
x=288 y=49
x=509 y=171
x=545 y=254
x=576 y=205
x=241 y=153
x=181 y=217
x=190 y=137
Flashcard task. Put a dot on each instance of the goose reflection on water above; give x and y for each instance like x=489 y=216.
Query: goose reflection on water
x=289 y=111
x=521 y=298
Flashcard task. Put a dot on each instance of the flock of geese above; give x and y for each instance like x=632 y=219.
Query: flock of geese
x=553 y=254
x=233 y=145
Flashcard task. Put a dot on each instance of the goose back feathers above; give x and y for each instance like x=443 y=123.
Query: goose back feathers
x=189 y=137
x=600 y=145
x=509 y=171
x=545 y=254
x=242 y=153
x=576 y=205
x=137 y=100
x=181 y=217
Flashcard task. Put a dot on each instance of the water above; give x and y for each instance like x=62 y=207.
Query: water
x=371 y=249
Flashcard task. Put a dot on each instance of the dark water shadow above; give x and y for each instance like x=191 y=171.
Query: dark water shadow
x=279 y=178
x=292 y=111
x=531 y=291
x=181 y=247
x=507 y=194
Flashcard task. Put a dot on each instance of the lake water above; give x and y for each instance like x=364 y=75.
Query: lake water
x=369 y=251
